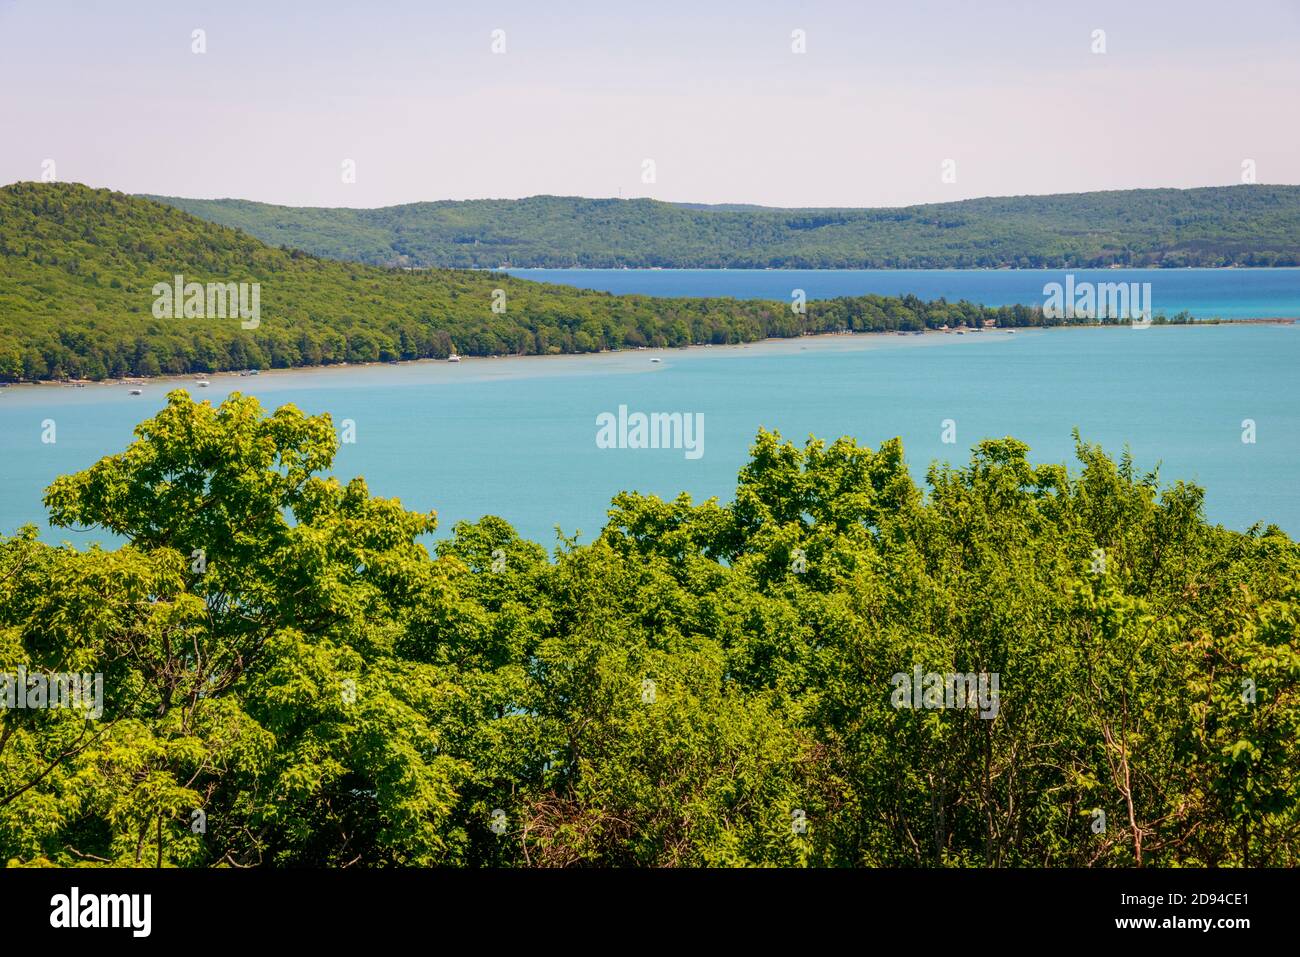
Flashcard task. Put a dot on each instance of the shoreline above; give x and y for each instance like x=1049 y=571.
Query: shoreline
x=192 y=377
x=189 y=378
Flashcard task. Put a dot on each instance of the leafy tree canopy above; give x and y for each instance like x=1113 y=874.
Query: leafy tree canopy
x=704 y=684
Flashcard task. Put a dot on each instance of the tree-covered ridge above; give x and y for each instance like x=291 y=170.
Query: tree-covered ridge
x=682 y=691
x=78 y=266
x=1251 y=225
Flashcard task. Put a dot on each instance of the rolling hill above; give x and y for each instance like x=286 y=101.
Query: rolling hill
x=1252 y=225
x=81 y=270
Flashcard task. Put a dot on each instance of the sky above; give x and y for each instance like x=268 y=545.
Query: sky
x=376 y=103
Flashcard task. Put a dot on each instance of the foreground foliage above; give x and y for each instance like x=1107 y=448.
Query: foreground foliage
x=681 y=691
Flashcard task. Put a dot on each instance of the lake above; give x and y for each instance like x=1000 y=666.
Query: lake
x=516 y=437
x=1206 y=293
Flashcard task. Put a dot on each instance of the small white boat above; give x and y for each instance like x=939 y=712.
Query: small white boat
x=453 y=358
x=656 y=360
x=137 y=391
x=202 y=383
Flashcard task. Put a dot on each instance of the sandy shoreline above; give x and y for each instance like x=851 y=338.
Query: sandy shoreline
x=189 y=378
x=820 y=338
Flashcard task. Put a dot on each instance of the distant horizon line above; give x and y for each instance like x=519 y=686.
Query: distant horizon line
x=739 y=206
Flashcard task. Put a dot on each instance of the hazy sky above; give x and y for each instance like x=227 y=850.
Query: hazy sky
x=586 y=92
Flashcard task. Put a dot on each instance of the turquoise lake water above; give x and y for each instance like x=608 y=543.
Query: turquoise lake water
x=1206 y=293
x=516 y=437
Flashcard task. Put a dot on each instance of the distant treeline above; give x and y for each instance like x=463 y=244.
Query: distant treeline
x=79 y=267
x=1251 y=225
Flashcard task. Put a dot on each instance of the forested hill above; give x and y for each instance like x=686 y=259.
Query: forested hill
x=79 y=267
x=1252 y=225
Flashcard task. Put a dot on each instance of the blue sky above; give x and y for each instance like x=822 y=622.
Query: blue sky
x=584 y=93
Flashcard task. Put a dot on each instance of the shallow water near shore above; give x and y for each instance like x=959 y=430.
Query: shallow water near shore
x=517 y=437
